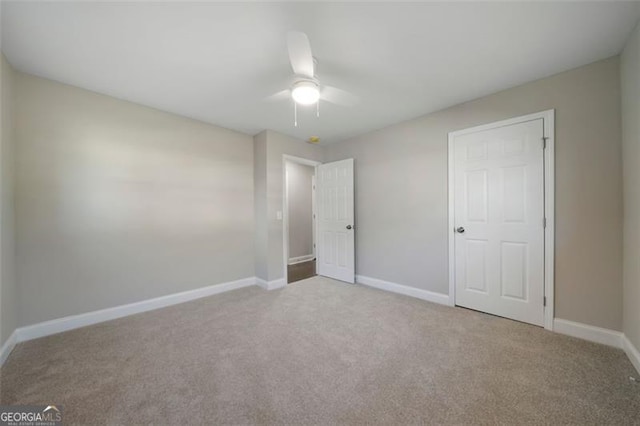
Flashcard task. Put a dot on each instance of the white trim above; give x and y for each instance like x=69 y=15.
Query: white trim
x=600 y=335
x=271 y=285
x=452 y=224
x=569 y=328
x=427 y=295
x=8 y=347
x=285 y=214
x=550 y=215
x=82 y=320
x=588 y=332
x=301 y=160
x=313 y=214
x=504 y=123
x=632 y=352
x=548 y=118
x=301 y=259
x=262 y=283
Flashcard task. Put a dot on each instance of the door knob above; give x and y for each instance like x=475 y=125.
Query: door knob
x=460 y=230
x=348 y=226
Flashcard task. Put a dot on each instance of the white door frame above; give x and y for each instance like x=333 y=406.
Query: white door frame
x=285 y=209
x=549 y=206
x=313 y=211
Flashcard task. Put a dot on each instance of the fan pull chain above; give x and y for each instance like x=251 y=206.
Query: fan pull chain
x=295 y=114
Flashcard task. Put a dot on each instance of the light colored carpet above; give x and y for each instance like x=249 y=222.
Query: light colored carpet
x=321 y=352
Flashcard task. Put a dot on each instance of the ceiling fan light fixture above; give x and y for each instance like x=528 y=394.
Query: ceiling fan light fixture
x=305 y=93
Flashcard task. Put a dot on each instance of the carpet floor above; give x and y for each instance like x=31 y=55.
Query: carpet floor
x=321 y=352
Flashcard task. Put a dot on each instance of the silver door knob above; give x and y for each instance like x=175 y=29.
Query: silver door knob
x=348 y=226
x=460 y=230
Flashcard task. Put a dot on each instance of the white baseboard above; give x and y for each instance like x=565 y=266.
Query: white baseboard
x=271 y=285
x=632 y=352
x=8 y=347
x=82 y=320
x=588 y=332
x=430 y=296
x=570 y=328
x=300 y=259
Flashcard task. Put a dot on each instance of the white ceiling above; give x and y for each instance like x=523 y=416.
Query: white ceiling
x=218 y=61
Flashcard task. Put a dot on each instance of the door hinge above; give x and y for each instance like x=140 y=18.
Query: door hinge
x=544 y=142
x=544 y=222
x=544 y=301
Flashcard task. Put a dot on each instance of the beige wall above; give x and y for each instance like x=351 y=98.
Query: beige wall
x=117 y=203
x=401 y=190
x=8 y=291
x=300 y=213
x=630 y=67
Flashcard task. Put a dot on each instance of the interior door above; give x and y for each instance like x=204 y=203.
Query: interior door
x=499 y=228
x=336 y=233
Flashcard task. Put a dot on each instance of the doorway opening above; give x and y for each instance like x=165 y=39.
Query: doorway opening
x=299 y=219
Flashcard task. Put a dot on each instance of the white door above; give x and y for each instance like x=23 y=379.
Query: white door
x=498 y=216
x=336 y=239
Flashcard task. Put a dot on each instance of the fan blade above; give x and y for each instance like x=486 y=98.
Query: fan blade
x=279 y=96
x=300 y=53
x=338 y=96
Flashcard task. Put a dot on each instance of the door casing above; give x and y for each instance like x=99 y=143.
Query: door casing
x=548 y=118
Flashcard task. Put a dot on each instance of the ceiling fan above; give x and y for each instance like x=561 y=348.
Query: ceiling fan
x=306 y=88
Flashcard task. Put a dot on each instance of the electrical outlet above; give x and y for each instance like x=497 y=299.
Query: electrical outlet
x=279 y=215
